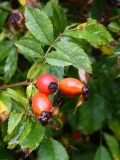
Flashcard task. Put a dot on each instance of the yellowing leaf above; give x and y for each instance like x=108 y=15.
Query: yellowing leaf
x=81 y=26
x=107 y=49
x=79 y=103
x=5 y=103
x=31 y=3
x=22 y=2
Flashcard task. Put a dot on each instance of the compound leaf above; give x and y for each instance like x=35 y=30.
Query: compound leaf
x=74 y=54
x=93 y=32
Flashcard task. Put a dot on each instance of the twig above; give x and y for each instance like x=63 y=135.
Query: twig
x=14 y=85
x=6 y=8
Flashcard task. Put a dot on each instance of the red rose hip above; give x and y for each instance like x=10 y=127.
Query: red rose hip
x=40 y=103
x=47 y=84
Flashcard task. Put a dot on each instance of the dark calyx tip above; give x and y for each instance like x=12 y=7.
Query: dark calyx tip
x=53 y=86
x=44 y=118
x=86 y=92
x=14 y=18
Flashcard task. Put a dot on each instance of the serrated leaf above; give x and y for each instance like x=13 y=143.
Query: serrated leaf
x=59 y=17
x=58 y=59
x=39 y=25
x=75 y=54
x=5 y=49
x=58 y=72
x=20 y=133
x=10 y=63
x=51 y=149
x=5 y=103
x=30 y=46
x=37 y=69
x=34 y=137
x=13 y=141
x=93 y=32
x=48 y=7
x=89 y=112
x=102 y=154
x=14 y=119
x=17 y=97
x=26 y=130
x=113 y=146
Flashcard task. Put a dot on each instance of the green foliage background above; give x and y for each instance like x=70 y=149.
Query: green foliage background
x=60 y=38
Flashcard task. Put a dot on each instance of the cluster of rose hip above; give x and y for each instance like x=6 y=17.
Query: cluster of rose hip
x=48 y=84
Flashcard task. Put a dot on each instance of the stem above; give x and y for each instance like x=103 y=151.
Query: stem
x=115 y=17
x=6 y=8
x=51 y=46
x=14 y=85
x=100 y=136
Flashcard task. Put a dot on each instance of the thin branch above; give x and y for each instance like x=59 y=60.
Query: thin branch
x=6 y=8
x=14 y=85
x=51 y=46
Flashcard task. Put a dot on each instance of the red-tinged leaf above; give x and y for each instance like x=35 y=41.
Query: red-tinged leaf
x=26 y=151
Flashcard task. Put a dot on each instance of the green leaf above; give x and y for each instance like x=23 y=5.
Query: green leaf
x=37 y=69
x=102 y=154
x=48 y=7
x=113 y=146
x=59 y=17
x=3 y=13
x=30 y=46
x=21 y=132
x=58 y=72
x=34 y=137
x=13 y=138
x=5 y=103
x=14 y=119
x=93 y=32
x=50 y=149
x=91 y=115
x=97 y=8
x=5 y=48
x=58 y=59
x=75 y=54
x=10 y=63
x=26 y=129
x=39 y=25
x=114 y=27
x=17 y=97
